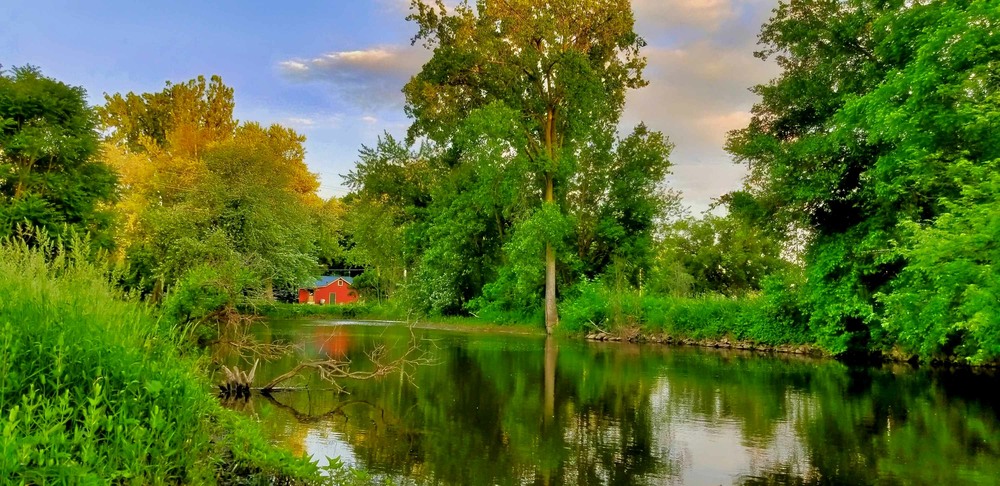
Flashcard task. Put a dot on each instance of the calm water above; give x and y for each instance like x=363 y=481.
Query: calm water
x=509 y=409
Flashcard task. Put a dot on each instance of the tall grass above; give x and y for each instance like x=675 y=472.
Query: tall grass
x=93 y=390
x=770 y=318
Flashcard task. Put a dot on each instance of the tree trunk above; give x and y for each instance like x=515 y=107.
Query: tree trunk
x=551 y=313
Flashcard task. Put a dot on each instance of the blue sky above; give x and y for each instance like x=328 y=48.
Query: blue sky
x=333 y=69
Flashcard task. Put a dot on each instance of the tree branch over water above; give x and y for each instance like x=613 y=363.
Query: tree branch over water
x=335 y=369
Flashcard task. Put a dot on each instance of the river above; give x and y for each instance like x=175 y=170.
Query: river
x=505 y=408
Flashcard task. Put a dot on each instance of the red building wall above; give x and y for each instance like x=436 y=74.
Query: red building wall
x=337 y=292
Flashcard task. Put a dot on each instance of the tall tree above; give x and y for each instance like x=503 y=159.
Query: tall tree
x=50 y=175
x=562 y=65
x=184 y=117
x=391 y=185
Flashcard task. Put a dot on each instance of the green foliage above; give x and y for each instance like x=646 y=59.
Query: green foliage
x=860 y=138
x=706 y=317
x=944 y=303
x=50 y=177
x=493 y=53
x=184 y=116
x=526 y=119
x=205 y=296
x=615 y=199
x=92 y=388
x=773 y=317
x=585 y=307
x=391 y=185
x=725 y=255
x=378 y=246
x=778 y=315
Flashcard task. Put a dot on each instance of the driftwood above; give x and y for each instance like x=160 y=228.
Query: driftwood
x=237 y=384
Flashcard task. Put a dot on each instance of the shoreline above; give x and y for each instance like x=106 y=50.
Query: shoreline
x=723 y=343
x=630 y=335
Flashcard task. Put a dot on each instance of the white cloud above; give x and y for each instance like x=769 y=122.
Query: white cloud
x=371 y=78
x=696 y=94
x=294 y=66
x=700 y=66
x=371 y=120
x=300 y=122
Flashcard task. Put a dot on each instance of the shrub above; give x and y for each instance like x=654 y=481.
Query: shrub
x=772 y=317
x=777 y=315
x=585 y=306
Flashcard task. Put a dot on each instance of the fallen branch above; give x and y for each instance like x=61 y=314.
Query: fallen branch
x=332 y=370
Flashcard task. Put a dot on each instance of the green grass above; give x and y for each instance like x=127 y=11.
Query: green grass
x=356 y=310
x=394 y=312
x=94 y=390
x=769 y=318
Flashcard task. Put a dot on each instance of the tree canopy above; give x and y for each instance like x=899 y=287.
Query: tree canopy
x=231 y=203
x=884 y=116
x=51 y=175
x=541 y=85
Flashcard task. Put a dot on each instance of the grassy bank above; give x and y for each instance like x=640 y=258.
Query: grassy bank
x=769 y=319
x=356 y=310
x=93 y=389
x=766 y=320
x=391 y=312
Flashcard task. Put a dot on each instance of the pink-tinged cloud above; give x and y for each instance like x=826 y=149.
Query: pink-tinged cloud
x=701 y=14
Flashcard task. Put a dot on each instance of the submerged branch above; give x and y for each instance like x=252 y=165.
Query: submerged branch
x=332 y=370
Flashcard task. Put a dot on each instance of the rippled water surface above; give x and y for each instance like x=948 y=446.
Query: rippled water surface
x=514 y=409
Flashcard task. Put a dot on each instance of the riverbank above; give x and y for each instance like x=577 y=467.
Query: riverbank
x=374 y=313
x=723 y=343
x=707 y=328
x=768 y=324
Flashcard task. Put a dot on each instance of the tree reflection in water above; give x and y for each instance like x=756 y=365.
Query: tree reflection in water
x=506 y=409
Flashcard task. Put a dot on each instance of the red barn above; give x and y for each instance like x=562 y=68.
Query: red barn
x=331 y=289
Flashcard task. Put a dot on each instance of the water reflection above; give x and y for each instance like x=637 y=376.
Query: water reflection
x=503 y=409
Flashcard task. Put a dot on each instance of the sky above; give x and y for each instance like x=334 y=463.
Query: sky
x=333 y=69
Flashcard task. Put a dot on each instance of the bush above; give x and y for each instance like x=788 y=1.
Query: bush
x=585 y=306
x=777 y=315
x=772 y=317
x=705 y=317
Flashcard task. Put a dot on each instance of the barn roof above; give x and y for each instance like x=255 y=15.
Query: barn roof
x=328 y=279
